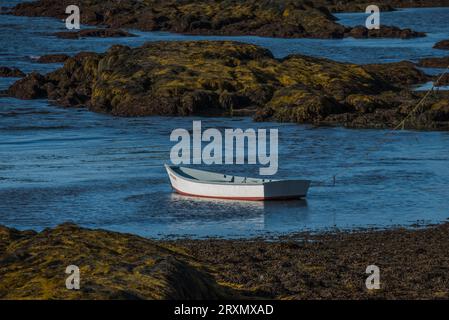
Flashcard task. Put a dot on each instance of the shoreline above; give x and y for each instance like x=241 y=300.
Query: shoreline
x=413 y=264
x=280 y=19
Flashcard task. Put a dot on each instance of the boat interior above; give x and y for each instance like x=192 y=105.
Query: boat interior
x=201 y=175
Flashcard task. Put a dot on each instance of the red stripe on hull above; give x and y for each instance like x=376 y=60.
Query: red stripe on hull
x=240 y=198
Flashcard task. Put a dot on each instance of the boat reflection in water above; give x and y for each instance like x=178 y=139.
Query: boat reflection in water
x=237 y=218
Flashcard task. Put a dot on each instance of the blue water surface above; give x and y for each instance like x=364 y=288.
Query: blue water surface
x=68 y=164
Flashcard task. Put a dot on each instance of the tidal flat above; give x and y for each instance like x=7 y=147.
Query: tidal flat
x=413 y=264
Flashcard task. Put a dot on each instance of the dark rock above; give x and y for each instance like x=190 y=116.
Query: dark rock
x=434 y=62
x=383 y=32
x=52 y=58
x=400 y=73
x=7 y=72
x=443 y=80
x=440 y=111
x=273 y=18
x=230 y=78
x=443 y=45
x=384 y=5
x=97 y=33
x=30 y=87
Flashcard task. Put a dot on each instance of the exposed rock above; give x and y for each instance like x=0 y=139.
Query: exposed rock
x=383 y=32
x=434 y=62
x=440 y=110
x=443 y=45
x=270 y=18
x=384 y=5
x=400 y=73
x=33 y=86
x=231 y=78
x=444 y=80
x=297 y=266
x=112 y=266
x=52 y=58
x=5 y=10
x=7 y=72
x=196 y=78
x=98 y=33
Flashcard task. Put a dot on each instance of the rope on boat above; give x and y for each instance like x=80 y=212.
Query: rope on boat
x=401 y=124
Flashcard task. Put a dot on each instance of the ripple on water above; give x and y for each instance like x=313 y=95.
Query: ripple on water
x=100 y=171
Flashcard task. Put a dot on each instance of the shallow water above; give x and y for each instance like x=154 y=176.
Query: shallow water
x=101 y=171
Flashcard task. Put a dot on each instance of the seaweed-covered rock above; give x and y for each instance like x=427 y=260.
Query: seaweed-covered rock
x=97 y=33
x=33 y=86
x=227 y=78
x=441 y=62
x=112 y=266
x=443 y=80
x=7 y=72
x=296 y=266
x=440 y=110
x=197 y=77
x=271 y=18
x=384 y=5
x=304 y=266
x=400 y=73
x=52 y=58
x=301 y=104
x=383 y=32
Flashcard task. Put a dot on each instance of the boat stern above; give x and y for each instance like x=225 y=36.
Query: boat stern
x=286 y=189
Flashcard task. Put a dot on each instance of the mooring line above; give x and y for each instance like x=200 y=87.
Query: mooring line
x=401 y=124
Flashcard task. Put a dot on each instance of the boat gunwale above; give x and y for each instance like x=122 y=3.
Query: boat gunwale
x=226 y=182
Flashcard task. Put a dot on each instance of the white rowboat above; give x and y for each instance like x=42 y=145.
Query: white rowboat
x=199 y=183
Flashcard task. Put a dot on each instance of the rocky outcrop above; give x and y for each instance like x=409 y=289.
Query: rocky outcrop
x=443 y=45
x=296 y=266
x=384 y=5
x=443 y=80
x=7 y=72
x=383 y=32
x=52 y=58
x=33 y=86
x=231 y=78
x=112 y=266
x=269 y=18
x=442 y=62
x=97 y=33
x=401 y=73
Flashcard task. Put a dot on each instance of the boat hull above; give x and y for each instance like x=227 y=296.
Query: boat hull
x=275 y=190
